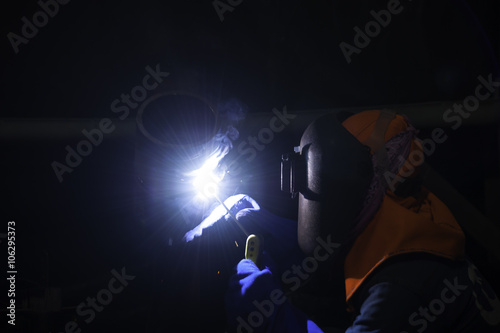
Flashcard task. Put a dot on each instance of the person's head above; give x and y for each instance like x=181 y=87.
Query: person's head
x=347 y=164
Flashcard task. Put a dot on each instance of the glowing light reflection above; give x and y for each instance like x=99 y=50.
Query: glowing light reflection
x=220 y=214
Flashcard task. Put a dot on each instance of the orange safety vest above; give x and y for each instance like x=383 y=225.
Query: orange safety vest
x=401 y=225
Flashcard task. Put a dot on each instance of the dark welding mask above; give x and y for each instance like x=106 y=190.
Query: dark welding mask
x=331 y=172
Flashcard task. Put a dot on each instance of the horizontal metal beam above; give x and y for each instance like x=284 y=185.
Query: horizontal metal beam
x=423 y=115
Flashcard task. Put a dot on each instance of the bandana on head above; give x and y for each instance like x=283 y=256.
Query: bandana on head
x=399 y=140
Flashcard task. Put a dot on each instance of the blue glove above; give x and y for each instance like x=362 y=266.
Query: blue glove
x=250 y=289
x=256 y=303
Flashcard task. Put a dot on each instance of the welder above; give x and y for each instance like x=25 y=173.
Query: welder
x=366 y=216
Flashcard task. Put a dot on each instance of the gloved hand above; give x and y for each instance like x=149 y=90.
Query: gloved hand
x=256 y=303
x=254 y=294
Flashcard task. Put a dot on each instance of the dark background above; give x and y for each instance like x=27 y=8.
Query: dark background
x=264 y=54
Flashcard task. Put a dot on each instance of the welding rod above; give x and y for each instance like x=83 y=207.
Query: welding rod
x=232 y=215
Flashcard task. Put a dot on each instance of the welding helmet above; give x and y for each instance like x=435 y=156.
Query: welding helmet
x=330 y=171
x=338 y=172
